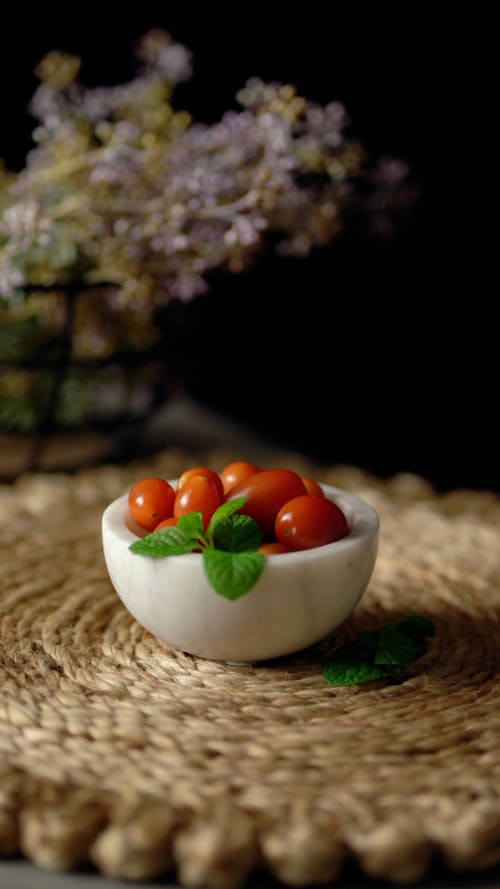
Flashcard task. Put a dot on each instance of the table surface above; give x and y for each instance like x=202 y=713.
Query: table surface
x=186 y=424
x=20 y=874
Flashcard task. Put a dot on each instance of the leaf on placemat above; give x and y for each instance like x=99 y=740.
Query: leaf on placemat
x=349 y=671
x=379 y=654
x=394 y=648
x=415 y=625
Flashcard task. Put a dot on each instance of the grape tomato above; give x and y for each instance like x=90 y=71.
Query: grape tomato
x=237 y=472
x=312 y=487
x=274 y=549
x=309 y=521
x=167 y=523
x=150 y=501
x=198 y=494
x=265 y=493
x=202 y=472
x=292 y=512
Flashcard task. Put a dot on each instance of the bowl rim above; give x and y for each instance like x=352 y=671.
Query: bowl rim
x=362 y=518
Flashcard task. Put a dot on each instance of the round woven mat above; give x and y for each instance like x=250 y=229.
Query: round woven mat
x=118 y=749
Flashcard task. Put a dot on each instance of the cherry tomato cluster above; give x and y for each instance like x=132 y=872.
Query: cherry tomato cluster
x=292 y=511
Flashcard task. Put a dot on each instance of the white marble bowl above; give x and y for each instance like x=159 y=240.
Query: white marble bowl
x=298 y=599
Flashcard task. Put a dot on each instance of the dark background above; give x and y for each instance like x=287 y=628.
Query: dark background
x=378 y=352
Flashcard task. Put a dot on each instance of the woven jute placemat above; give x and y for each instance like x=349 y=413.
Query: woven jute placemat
x=118 y=749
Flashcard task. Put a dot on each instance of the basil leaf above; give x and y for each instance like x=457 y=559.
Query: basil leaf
x=166 y=542
x=350 y=671
x=237 y=534
x=232 y=574
x=191 y=525
x=223 y=512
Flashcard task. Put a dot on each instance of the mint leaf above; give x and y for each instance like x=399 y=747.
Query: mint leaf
x=231 y=563
x=237 y=534
x=415 y=626
x=394 y=648
x=232 y=574
x=166 y=542
x=379 y=653
x=362 y=647
x=223 y=512
x=191 y=525
x=349 y=671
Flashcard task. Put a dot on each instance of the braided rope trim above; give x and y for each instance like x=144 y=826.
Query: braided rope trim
x=118 y=749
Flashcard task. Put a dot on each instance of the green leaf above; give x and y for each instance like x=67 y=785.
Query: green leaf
x=166 y=542
x=415 y=626
x=362 y=647
x=379 y=653
x=232 y=574
x=191 y=525
x=237 y=534
x=394 y=648
x=223 y=512
x=350 y=671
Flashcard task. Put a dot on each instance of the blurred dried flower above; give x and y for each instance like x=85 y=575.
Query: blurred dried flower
x=123 y=194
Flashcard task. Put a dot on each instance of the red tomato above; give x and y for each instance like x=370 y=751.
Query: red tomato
x=312 y=487
x=150 y=501
x=309 y=521
x=266 y=492
x=237 y=472
x=198 y=494
x=203 y=472
x=274 y=549
x=167 y=523
x=133 y=526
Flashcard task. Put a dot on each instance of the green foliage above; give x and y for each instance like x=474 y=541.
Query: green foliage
x=379 y=654
x=229 y=546
x=351 y=671
x=165 y=542
x=237 y=533
x=232 y=574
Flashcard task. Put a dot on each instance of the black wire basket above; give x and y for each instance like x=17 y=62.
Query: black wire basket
x=79 y=383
